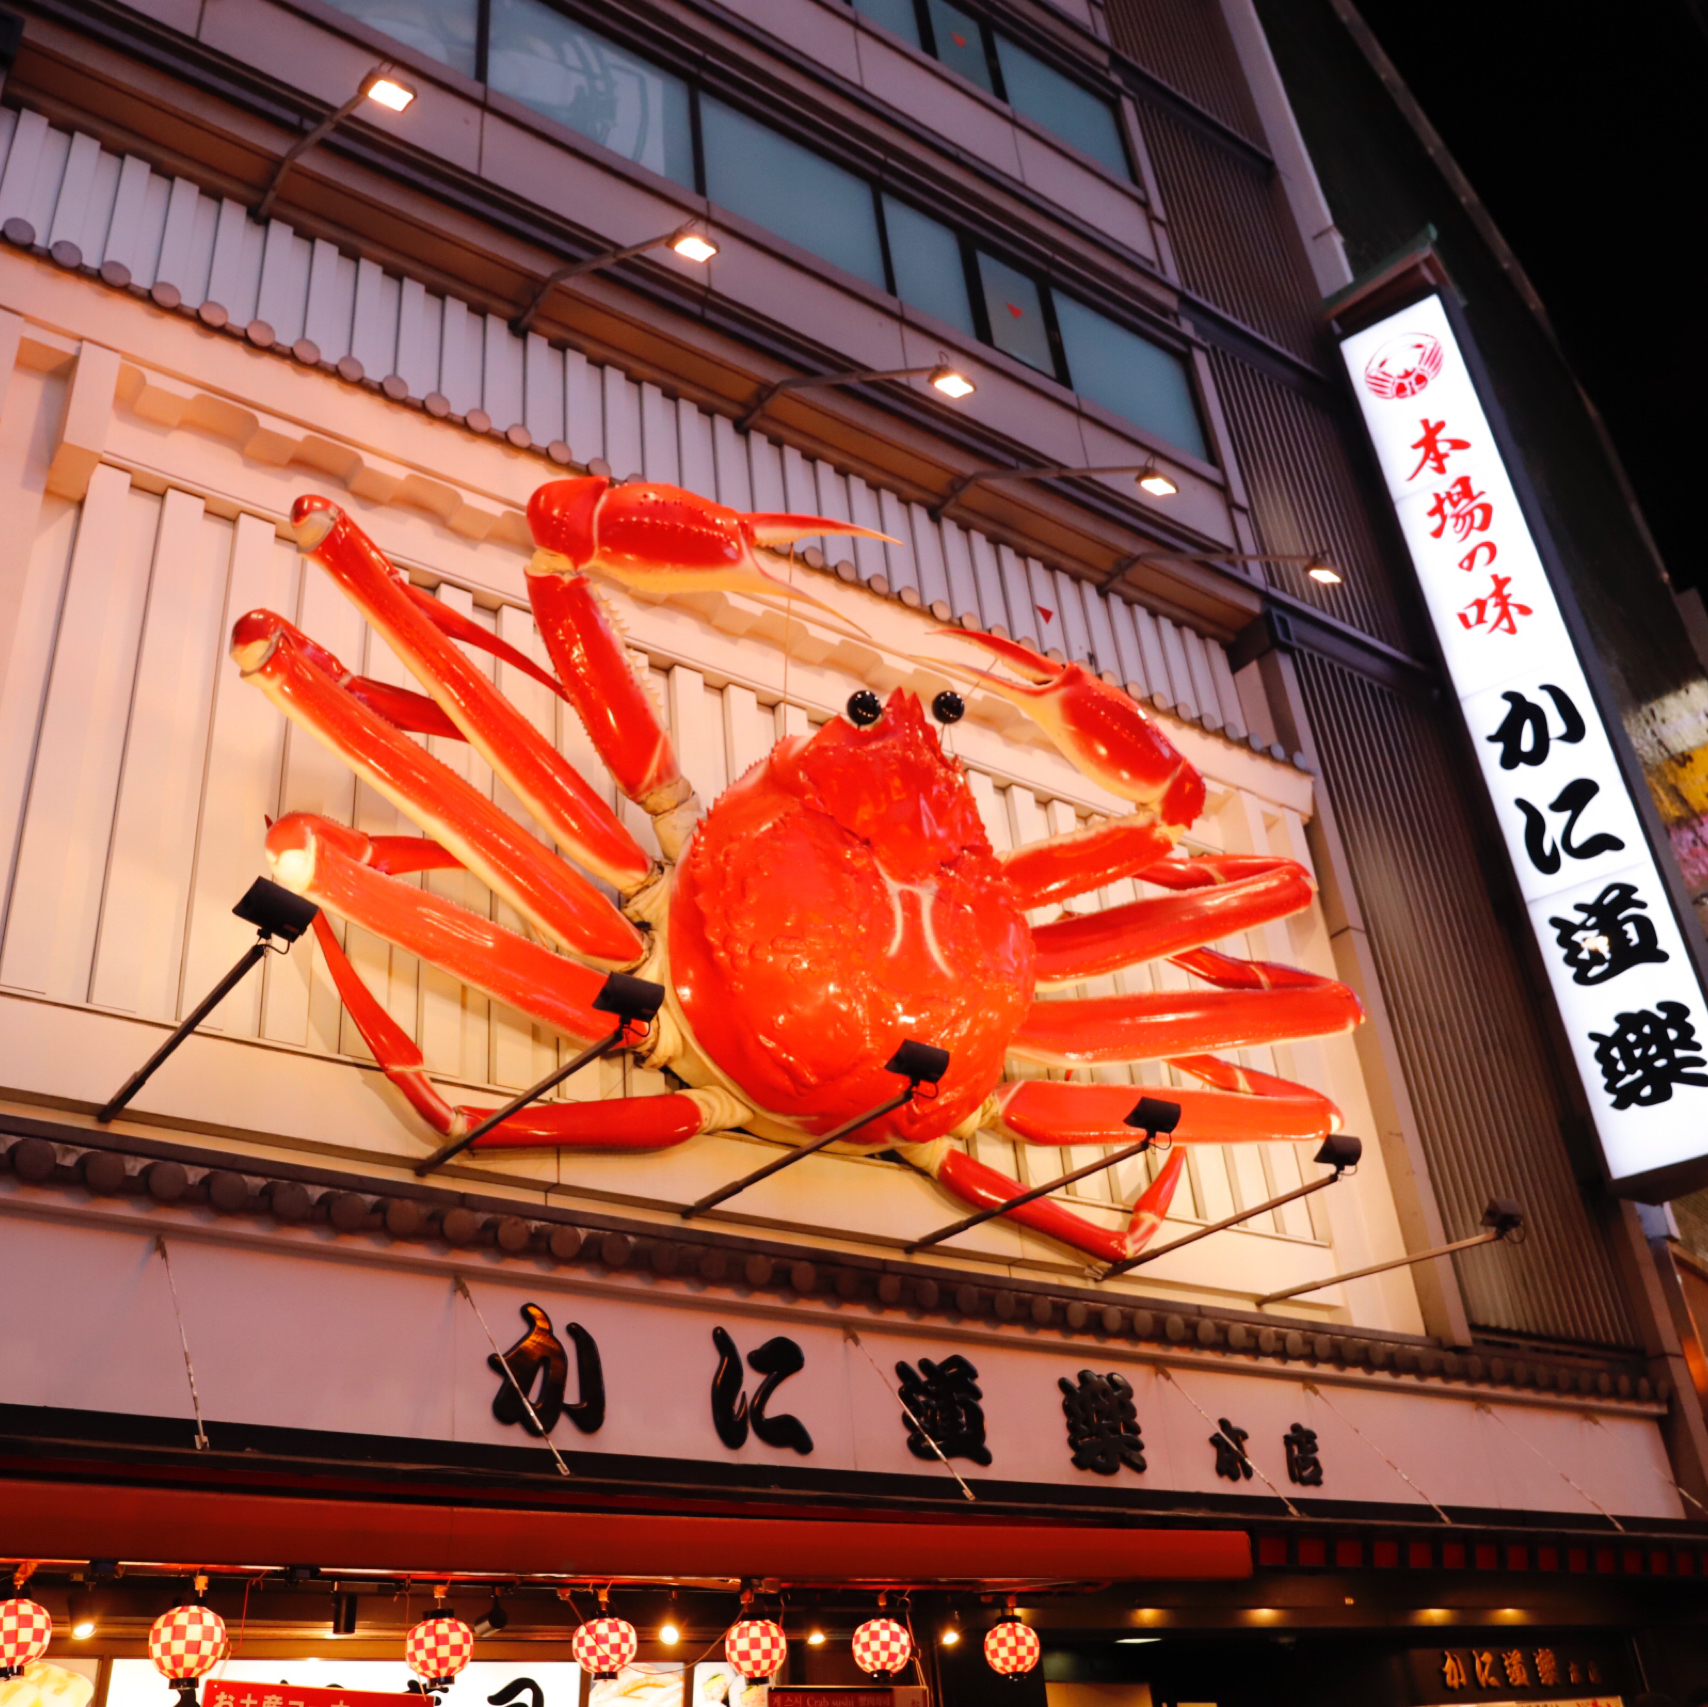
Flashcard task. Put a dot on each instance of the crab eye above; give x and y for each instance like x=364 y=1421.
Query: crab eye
x=864 y=708
x=948 y=707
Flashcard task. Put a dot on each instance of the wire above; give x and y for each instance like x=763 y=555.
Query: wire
x=1311 y=1387
x=1245 y=1457
x=504 y=1364
x=1552 y=1466
x=183 y=1340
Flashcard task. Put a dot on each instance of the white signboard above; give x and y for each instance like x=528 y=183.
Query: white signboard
x=1627 y=990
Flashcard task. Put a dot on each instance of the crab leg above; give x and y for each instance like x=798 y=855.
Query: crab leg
x=335 y=868
x=550 y=894
x=1245 y=1106
x=982 y=1187
x=627 y=1123
x=1087 y=945
x=1265 y=1004
x=542 y=779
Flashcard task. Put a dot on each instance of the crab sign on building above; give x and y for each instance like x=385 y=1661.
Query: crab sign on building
x=839 y=896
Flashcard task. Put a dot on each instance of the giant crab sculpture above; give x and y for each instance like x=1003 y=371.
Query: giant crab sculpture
x=841 y=895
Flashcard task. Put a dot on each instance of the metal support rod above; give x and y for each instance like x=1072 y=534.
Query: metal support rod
x=808 y=381
x=1487 y=1238
x=251 y=957
x=302 y=145
x=1037 y=1191
x=1219 y=1227
x=1054 y=471
x=573 y=269
x=788 y=1160
x=591 y=1053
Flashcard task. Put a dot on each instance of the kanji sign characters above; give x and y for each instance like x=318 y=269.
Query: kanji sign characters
x=1628 y=992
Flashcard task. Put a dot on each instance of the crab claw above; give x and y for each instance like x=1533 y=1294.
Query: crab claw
x=1097 y=728
x=662 y=539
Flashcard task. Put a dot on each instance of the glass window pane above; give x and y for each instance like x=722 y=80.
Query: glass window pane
x=593 y=86
x=1063 y=107
x=960 y=43
x=442 y=29
x=1130 y=375
x=926 y=257
x=790 y=190
x=1016 y=312
x=896 y=15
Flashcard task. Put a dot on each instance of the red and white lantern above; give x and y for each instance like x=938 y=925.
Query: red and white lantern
x=1012 y=1648
x=438 y=1648
x=604 y=1646
x=882 y=1647
x=756 y=1648
x=185 y=1644
x=25 y=1631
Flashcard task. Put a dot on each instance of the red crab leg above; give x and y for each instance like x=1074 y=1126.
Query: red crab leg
x=542 y=779
x=983 y=1187
x=1090 y=944
x=1246 y=1107
x=627 y=1123
x=1161 y=1024
x=330 y=864
x=552 y=895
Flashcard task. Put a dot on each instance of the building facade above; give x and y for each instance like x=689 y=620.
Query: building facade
x=252 y=1339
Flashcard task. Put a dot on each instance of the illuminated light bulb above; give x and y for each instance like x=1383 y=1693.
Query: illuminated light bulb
x=390 y=93
x=816 y=1639
x=691 y=246
x=952 y=384
x=670 y=1635
x=83 y=1629
x=1319 y=569
x=951 y=1636
x=1155 y=482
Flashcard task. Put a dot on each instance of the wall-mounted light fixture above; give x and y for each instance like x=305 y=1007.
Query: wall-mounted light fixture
x=688 y=241
x=1146 y=474
x=382 y=86
x=940 y=375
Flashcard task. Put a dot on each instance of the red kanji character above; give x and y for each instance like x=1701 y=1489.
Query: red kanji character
x=1466 y=511
x=1433 y=448
x=1471 y=560
x=1496 y=609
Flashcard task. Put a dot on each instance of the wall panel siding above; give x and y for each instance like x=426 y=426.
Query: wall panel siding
x=1185 y=43
x=1487 y=1106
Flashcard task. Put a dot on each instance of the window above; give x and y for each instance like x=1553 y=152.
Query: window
x=593 y=86
x=1014 y=311
x=930 y=271
x=1063 y=107
x=1129 y=375
x=1001 y=67
x=788 y=189
x=445 y=30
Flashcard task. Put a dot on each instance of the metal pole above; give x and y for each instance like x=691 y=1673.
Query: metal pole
x=1054 y=472
x=301 y=146
x=1218 y=1227
x=591 y=1053
x=1487 y=1238
x=573 y=269
x=788 y=1160
x=206 y=1006
x=807 y=381
x=1037 y=1191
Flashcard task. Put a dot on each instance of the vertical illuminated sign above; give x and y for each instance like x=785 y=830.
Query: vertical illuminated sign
x=1627 y=989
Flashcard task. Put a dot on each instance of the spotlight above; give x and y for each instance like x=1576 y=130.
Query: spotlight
x=669 y=1635
x=388 y=91
x=343 y=1615
x=492 y=1620
x=1154 y=481
x=82 y=1615
x=918 y=1062
x=691 y=246
x=1320 y=569
x=1340 y=1150
x=815 y=1639
x=1155 y=1115
x=951 y=383
x=1505 y=1217
x=633 y=999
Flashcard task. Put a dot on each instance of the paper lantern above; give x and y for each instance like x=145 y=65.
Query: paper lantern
x=438 y=1648
x=756 y=1648
x=1012 y=1648
x=25 y=1631
x=604 y=1646
x=882 y=1647
x=186 y=1643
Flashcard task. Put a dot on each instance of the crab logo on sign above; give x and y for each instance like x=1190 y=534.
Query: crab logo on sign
x=1403 y=366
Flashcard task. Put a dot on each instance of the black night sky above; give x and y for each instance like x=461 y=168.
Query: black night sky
x=1584 y=129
